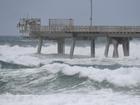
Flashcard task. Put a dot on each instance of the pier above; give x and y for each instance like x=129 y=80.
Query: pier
x=60 y=29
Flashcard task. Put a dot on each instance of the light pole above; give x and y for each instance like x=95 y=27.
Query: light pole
x=92 y=39
x=91 y=10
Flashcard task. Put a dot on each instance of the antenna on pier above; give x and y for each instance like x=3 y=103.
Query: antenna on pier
x=28 y=16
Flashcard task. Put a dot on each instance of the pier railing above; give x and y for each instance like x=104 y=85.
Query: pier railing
x=26 y=25
x=86 y=29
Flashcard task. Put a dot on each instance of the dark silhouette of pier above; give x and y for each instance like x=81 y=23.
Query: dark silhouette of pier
x=60 y=29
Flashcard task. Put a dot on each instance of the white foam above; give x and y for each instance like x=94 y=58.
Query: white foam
x=121 y=77
x=102 y=97
x=18 y=54
x=26 y=55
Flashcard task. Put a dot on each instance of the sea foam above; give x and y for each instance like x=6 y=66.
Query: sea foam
x=121 y=77
x=27 y=55
x=103 y=97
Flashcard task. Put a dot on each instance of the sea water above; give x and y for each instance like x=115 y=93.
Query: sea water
x=27 y=78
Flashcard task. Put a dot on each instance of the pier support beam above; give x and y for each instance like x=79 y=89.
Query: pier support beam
x=116 y=41
x=107 y=47
x=40 y=43
x=72 y=47
x=93 y=48
x=60 y=46
x=115 y=52
x=125 y=45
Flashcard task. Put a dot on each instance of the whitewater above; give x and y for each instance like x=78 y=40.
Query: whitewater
x=27 y=78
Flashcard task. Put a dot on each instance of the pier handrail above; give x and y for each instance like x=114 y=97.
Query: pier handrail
x=86 y=28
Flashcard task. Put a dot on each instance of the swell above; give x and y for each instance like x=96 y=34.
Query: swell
x=43 y=81
x=98 y=66
x=10 y=65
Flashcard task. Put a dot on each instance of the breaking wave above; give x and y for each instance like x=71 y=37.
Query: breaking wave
x=10 y=65
x=61 y=77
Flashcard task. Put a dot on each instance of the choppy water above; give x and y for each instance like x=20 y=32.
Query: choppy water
x=49 y=79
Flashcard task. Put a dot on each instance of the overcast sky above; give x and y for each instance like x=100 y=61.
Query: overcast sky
x=105 y=12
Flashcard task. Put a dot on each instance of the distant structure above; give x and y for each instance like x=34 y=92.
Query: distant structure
x=60 y=29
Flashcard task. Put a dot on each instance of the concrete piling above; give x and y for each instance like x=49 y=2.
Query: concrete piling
x=125 y=45
x=115 y=44
x=40 y=43
x=107 y=47
x=72 y=47
x=93 y=48
x=116 y=41
x=60 y=46
x=110 y=40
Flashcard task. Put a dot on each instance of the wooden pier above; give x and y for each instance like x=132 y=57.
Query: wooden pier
x=60 y=29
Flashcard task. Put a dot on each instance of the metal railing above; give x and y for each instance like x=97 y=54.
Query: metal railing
x=102 y=29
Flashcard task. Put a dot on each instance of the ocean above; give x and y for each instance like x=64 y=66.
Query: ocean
x=27 y=78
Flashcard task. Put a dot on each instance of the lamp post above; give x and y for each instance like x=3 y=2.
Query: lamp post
x=93 y=38
x=91 y=9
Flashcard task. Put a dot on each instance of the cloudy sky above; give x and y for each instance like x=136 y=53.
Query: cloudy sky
x=105 y=12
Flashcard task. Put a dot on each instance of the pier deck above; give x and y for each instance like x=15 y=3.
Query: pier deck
x=98 y=31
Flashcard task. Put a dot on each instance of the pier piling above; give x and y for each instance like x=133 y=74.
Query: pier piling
x=93 y=48
x=72 y=47
x=40 y=43
x=60 y=46
x=125 y=45
x=116 y=41
x=115 y=44
x=107 y=46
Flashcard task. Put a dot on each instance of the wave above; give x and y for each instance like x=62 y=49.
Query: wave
x=121 y=76
x=56 y=80
x=53 y=78
x=52 y=74
x=98 y=66
x=10 y=65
